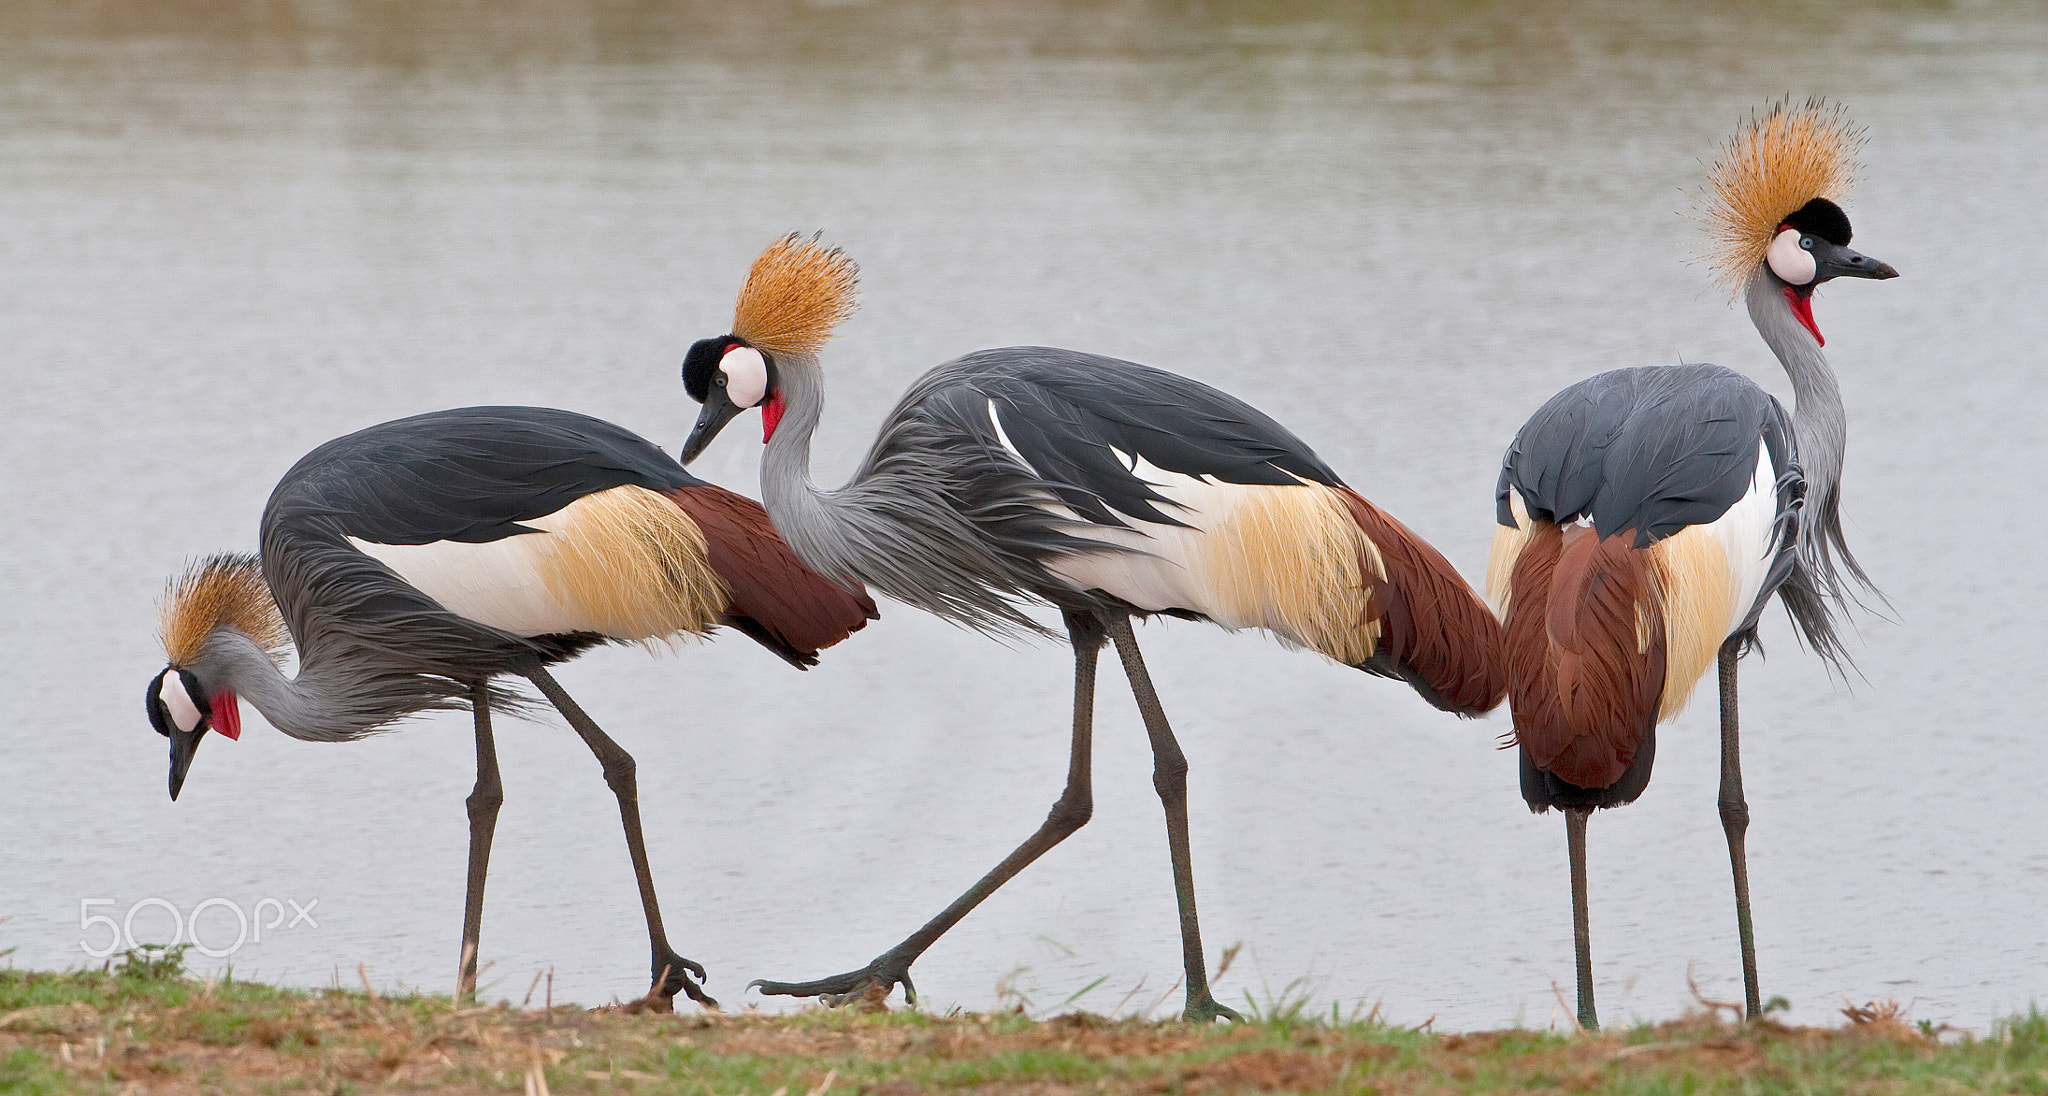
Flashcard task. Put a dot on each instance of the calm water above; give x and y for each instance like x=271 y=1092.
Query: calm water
x=224 y=241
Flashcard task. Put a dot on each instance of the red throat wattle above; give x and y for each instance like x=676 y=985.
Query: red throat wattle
x=771 y=414
x=1802 y=309
x=227 y=715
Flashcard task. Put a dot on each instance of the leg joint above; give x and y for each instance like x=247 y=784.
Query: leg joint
x=619 y=773
x=1170 y=777
x=484 y=802
x=1069 y=815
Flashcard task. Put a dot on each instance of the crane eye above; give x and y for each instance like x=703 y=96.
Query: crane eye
x=1806 y=242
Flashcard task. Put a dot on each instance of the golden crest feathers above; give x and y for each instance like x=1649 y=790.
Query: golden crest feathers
x=797 y=292
x=221 y=590
x=1789 y=156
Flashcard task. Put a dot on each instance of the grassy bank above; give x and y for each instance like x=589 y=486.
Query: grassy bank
x=147 y=1028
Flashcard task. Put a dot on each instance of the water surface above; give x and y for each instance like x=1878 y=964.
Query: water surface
x=229 y=234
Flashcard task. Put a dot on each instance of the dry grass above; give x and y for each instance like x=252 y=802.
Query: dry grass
x=103 y=1032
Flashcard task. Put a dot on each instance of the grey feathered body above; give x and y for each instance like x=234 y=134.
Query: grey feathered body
x=371 y=648
x=1653 y=450
x=948 y=515
x=1650 y=451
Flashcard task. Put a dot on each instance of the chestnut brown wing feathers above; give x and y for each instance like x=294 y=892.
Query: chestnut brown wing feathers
x=1434 y=631
x=786 y=606
x=1586 y=662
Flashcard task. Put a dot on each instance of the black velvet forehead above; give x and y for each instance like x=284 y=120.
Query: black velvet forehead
x=1824 y=219
x=699 y=363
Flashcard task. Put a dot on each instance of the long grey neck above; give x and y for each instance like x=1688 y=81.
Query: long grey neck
x=1818 y=417
x=809 y=519
x=316 y=706
x=908 y=523
x=1822 y=427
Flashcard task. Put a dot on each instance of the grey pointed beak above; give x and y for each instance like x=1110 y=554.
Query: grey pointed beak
x=1840 y=262
x=718 y=410
x=183 y=745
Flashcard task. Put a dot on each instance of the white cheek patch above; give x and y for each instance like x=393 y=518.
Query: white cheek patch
x=184 y=713
x=746 y=376
x=1790 y=261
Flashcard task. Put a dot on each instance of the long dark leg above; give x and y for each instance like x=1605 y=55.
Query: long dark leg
x=483 y=805
x=1735 y=822
x=671 y=971
x=1582 y=931
x=1069 y=813
x=1170 y=779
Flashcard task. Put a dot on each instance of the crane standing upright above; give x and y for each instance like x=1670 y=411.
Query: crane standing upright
x=411 y=563
x=1647 y=516
x=1107 y=489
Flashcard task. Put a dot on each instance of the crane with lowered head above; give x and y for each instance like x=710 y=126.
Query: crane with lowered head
x=413 y=562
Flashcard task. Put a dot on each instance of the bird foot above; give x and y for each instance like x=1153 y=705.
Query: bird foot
x=672 y=975
x=869 y=985
x=1207 y=1010
x=652 y=1003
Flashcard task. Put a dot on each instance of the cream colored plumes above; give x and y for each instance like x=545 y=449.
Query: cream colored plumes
x=1695 y=592
x=222 y=590
x=635 y=564
x=626 y=563
x=1776 y=164
x=1703 y=580
x=796 y=293
x=1291 y=560
x=1507 y=548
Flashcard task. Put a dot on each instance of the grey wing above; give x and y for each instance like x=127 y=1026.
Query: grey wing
x=950 y=509
x=941 y=516
x=1081 y=421
x=1655 y=450
x=1648 y=450
x=472 y=474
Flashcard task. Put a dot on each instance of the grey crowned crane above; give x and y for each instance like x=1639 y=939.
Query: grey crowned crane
x=1106 y=489
x=412 y=563
x=1647 y=516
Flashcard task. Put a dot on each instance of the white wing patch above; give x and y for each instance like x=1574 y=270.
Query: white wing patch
x=1507 y=548
x=1161 y=571
x=626 y=563
x=1164 y=570
x=1709 y=576
x=496 y=583
x=1745 y=535
x=996 y=420
x=1285 y=558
